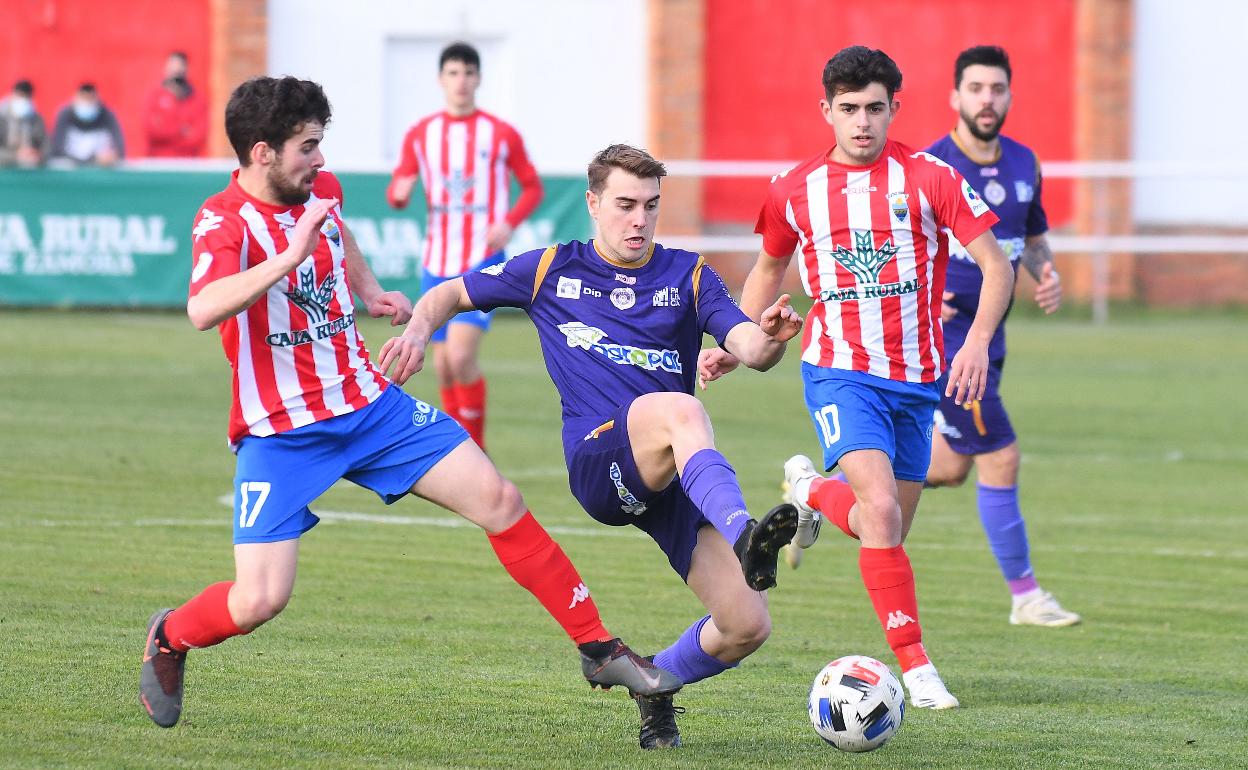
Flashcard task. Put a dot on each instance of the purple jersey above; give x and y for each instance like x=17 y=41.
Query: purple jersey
x=611 y=332
x=1011 y=186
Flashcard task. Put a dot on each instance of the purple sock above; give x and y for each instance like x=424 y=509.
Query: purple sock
x=711 y=483
x=1007 y=535
x=686 y=658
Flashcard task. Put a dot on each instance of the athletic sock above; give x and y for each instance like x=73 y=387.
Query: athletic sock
x=686 y=658
x=1007 y=535
x=711 y=483
x=450 y=401
x=538 y=563
x=471 y=401
x=203 y=621
x=889 y=580
x=833 y=498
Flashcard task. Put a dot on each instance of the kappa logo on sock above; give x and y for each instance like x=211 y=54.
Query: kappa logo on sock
x=579 y=594
x=897 y=619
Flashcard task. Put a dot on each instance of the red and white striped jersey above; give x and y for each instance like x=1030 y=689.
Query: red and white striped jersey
x=874 y=249
x=463 y=164
x=296 y=353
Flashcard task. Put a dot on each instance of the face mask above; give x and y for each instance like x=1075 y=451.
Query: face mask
x=86 y=112
x=21 y=106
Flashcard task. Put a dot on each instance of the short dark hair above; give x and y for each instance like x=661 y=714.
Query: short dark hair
x=271 y=110
x=637 y=162
x=856 y=67
x=987 y=55
x=460 y=51
x=24 y=88
x=180 y=54
x=86 y=87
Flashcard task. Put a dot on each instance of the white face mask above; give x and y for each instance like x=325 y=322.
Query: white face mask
x=21 y=106
x=86 y=111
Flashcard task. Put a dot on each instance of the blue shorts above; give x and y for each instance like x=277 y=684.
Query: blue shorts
x=386 y=447
x=478 y=318
x=976 y=427
x=856 y=410
x=604 y=479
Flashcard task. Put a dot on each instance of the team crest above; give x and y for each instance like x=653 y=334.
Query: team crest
x=899 y=203
x=623 y=298
x=330 y=228
x=994 y=192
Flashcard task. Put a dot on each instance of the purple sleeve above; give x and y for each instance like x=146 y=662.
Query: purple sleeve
x=509 y=284
x=1037 y=220
x=717 y=311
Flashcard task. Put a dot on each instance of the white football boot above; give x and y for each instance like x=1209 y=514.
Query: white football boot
x=1038 y=608
x=799 y=472
x=927 y=690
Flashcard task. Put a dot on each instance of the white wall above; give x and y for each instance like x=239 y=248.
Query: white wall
x=570 y=75
x=1190 y=106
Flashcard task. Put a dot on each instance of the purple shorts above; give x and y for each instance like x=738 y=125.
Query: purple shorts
x=604 y=479
x=975 y=427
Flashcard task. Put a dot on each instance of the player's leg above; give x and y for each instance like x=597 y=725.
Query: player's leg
x=671 y=436
x=948 y=468
x=436 y=353
x=462 y=349
x=410 y=447
x=1002 y=520
x=276 y=477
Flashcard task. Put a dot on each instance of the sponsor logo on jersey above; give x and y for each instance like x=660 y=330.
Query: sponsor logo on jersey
x=860 y=190
x=994 y=192
x=900 y=206
x=866 y=262
x=977 y=204
x=623 y=298
x=591 y=291
x=986 y=171
x=1023 y=191
x=496 y=270
x=310 y=298
x=459 y=185
x=590 y=338
x=207 y=223
x=626 y=279
x=568 y=288
x=668 y=296
x=631 y=504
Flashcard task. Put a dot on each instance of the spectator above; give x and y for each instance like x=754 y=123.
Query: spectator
x=23 y=134
x=177 y=116
x=87 y=132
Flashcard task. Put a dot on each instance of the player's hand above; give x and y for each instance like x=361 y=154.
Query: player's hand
x=968 y=373
x=714 y=363
x=947 y=311
x=405 y=353
x=497 y=237
x=307 y=232
x=780 y=320
x=394 y=304
x=1049 y=289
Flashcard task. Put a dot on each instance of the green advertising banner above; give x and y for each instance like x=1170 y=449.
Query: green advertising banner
x=122 y=238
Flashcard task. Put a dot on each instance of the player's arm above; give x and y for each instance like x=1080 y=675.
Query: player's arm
x=968 y=372
x=1038 y=259
x=363 y=282
x=403 y=180
x=761 y=287
x=761 y=345
x=230 y=295
x=406 y=352
x=530 y=196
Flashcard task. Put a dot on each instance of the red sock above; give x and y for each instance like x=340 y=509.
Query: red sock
x=471 y=401
x=889 y=580
x=833 y=498
x=450 y=400
x=538 y=563
x=203 y=621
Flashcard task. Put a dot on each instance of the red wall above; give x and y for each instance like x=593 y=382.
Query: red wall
x=120 y=46
x=764 y=60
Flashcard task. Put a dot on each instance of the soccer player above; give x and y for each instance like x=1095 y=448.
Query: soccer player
x=1007 y=175
x=274 y=268
x=463 y=156
x=870 y=216
x=620 y=320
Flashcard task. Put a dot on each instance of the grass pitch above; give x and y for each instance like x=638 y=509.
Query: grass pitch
x=406 y=645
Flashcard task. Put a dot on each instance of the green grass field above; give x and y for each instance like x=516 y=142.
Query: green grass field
x=407 y=645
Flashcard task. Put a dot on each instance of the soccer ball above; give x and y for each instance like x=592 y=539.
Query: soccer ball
x=856 y=704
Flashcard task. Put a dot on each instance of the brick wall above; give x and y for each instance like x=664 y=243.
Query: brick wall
x=240 y=50
x=676 y=41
